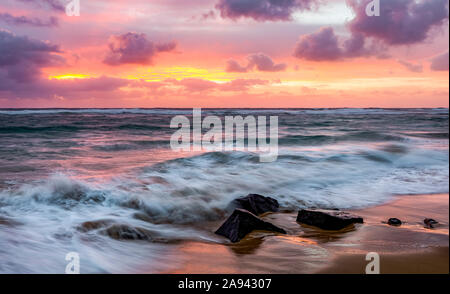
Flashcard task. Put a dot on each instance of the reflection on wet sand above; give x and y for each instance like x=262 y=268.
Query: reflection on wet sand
x=410 y=248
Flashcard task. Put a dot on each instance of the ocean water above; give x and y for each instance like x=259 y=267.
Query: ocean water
x=74 y=180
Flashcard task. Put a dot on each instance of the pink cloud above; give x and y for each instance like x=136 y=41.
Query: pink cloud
x=401 y=21
x=135 y=49
x=31 y=21
x=411 y=66
x=54 y=5
x=262 y=10
x=324 y=45
x=22 y=58
x=259 y=61
x=440 y=62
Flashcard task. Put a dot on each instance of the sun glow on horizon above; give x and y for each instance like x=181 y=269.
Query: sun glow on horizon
x=179 y=73
x=69 y=77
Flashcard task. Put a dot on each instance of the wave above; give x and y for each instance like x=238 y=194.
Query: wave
x=131 y=145
x=429 y=135
x=365 y=136
x=175 y=200
x=235 y=111
x=72 y=128
x=199 y=188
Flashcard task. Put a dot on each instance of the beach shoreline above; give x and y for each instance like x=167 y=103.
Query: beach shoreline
x=410 y=248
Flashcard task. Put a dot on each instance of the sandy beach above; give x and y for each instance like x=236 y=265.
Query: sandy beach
x=410 y=248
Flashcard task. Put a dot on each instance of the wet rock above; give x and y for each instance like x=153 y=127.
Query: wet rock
x=124 y=232
x=430 y=223
x=242 y=222
x=94 y=225
x=256 y=204
x=8 y=222
x=327 y=219
x=394 y=221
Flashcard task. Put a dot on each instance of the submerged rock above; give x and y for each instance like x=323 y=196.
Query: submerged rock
x=430 y=223
x=256 y=204
x=242 y=222
x=8 y=222
x=124 y=232
x=94 y=225
x=394 y=221
x=327 y=219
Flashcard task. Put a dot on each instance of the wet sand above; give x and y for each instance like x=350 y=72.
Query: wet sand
x=410 y=248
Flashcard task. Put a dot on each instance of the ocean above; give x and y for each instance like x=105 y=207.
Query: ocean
x=71 y=180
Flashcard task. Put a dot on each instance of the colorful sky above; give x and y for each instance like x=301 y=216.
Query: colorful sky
x=224 y=53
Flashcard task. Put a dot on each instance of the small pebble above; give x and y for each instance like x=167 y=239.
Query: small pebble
x=394 y=221
x=430 y=223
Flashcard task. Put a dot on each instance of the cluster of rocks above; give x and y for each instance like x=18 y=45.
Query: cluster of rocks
x=245 y=217
x=428 y=222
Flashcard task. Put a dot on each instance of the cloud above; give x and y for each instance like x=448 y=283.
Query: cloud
x=401 y=22
x=411 y=67
x=264 y=63
x=135 y=49
x=234 y=66
x=54 y=5
x=21 y=58
x=24 y=20
x=440 y=62
x=259 y=61
x=324 y=45
x=196 y=85
x=102 y=84
x=111 y=87
x=242 y=84
x=166 y=47
x=319 y=46
x=70 y=88
x=208 y=15
x=262 y=10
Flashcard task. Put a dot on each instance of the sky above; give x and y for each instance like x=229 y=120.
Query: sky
x=224 y=53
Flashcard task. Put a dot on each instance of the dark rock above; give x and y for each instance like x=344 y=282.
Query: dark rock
x=430 y=223
x=242 y=222
x=394 y=221
x=94 y=225
x=124 y=232
x=256 y=204
x=327 y=219
x=8 y=222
